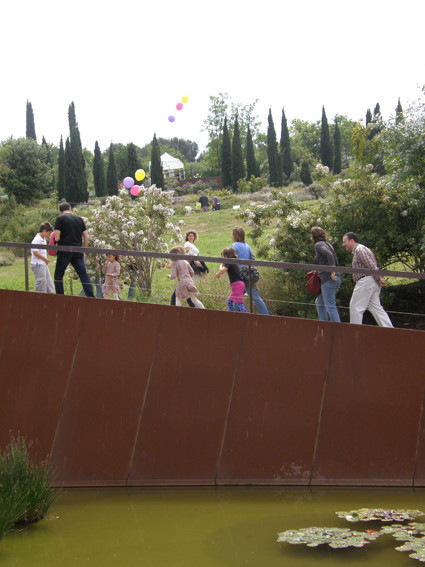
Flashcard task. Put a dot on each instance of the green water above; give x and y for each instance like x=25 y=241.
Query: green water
x=201 y=527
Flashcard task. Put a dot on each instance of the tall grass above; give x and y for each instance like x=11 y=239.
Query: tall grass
x=25 y=486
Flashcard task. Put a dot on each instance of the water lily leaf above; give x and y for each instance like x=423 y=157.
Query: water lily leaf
x=417 y=545
x=337 y=538
x=379 y=514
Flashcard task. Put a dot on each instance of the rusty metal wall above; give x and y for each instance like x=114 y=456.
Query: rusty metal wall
x=121 y=393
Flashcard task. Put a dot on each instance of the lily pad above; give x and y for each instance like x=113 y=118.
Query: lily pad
x=417 y=545
x=405 y=532
x=337 y=538
x=379 y=514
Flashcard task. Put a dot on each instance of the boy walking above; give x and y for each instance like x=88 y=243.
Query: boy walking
x=40 y=262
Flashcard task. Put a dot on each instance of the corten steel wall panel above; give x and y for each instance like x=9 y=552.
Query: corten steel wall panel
x=276 y=402
x=100 y=418
x=35 y=363
x=7 y=298
x=188 y=397
x=372 y=407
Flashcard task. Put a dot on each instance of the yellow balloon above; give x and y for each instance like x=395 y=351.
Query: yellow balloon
x=140 y=174
x=185 y=98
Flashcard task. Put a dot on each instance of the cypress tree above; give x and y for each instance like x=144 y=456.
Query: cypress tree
x=99 y=172
x=337 y=149
x=46 y=148
x=75 y=173
x=325 y=142
x=305 y=174
x=72 y=120
x=133 y=163
x=252 y=168
x=376 y=111
x=238 y=166
x=111 y=173
x=76 y=189
x=61 y=172
x=368 y=116
x=30 y=126
x=226 y=157
x=399 y=117
x=157 y=174
x=285 y=148
x=275 y=169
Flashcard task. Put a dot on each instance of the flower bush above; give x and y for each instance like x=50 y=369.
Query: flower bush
x=142 y=225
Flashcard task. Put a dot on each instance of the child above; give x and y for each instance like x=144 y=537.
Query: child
x=112 y=270
x=235 y=301
x=182 y=270
x=40 y=262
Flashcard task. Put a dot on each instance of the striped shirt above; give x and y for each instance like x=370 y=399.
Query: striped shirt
x=363 y=257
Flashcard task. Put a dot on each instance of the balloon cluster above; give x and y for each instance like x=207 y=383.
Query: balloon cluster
x=179 y=107
x=129 y=182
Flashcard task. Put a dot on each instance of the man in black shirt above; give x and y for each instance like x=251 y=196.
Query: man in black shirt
x=70 y=230
x=205 y=204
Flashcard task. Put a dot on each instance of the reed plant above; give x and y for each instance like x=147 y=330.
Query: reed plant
x=26 y=491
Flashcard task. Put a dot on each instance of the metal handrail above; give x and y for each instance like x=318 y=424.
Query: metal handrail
x=212 y=259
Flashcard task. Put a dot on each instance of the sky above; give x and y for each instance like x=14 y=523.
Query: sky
x=126 y=64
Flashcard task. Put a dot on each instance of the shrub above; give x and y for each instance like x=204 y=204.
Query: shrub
x=25 y=486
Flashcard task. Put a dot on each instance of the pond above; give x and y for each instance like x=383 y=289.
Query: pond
x=201 y=527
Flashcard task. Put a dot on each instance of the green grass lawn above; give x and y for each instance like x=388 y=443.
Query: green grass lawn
x=214 y=233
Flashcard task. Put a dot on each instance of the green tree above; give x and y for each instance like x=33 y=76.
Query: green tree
x=111 y=173
x=226 y=157
x=368 y=116
x=133 y=163
x=305 y=173
x=252 y=169
x=61 y=172
x=404 y=148
x=76 y=190
x=47 y=151
x=337 y=150
x=99 y=172
x=213 y=124
x=157 y=174
x=305 y=142
x=188 y=149
x=326 y=153
x=24 y=172
x=238 y=167
x=285 y=148
x=275 y=169
x=399 y=113
x=388 y=217
x=30 y=125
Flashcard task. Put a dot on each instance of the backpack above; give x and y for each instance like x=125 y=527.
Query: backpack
x=52 y=242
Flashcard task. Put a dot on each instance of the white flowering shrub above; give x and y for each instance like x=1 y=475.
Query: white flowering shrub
x=290 y=242
x=140 y=224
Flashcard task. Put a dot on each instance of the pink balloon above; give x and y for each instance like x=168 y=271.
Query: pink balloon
x=128 y=182
x=179 y=105
x=171 y=118
x=135 y=190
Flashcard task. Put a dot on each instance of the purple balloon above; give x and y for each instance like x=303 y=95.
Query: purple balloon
x=171 y=118
x=128 y=182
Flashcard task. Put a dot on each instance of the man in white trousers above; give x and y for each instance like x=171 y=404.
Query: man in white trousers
x=368 y=288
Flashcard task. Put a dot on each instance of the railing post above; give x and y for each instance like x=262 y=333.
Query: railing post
x=250 y=289
x=27 y=279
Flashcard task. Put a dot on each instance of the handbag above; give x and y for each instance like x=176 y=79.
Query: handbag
x=255 y=274
x=313 y=286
